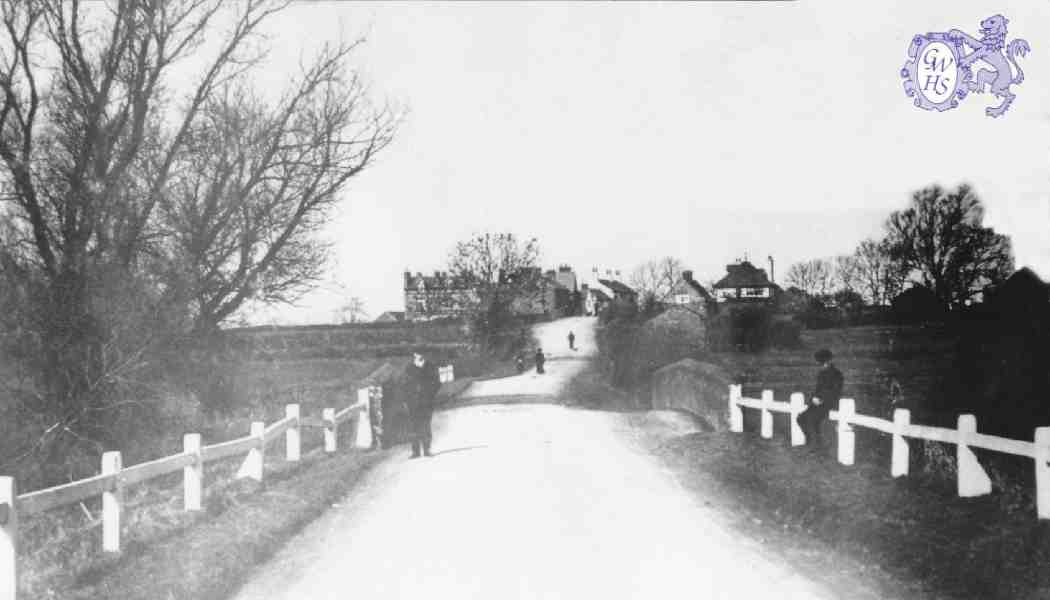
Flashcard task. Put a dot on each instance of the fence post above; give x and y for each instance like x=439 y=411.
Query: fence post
x=767 y=415
x=362 y=423
x=252 y=467
x=8 y=538
x=1042 y=471
x=331 y=431
x=901 y=421
x=291 y=435
x=192 y=475
x=736 y=414
x=798 y=404
x=112 y=501
x=973 y=481
x=845 y=431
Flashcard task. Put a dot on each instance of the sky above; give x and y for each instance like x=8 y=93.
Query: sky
x=618 y=133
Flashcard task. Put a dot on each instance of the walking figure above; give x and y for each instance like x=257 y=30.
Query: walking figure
x=540 y=359
x=572 y=341
x=825 y=398
x=422 y=385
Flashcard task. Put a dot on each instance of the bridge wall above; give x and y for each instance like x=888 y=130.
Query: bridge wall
x=697 y=387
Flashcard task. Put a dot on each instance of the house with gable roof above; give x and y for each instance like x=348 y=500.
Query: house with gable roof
x=744 y=282
x=688 y=292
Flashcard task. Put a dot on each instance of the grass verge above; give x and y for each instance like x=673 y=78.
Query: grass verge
x=171 y=554
x=244 y=524
x=913 y=530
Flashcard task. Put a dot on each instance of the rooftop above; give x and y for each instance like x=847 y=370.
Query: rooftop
x=744 y=274
x=616 y=286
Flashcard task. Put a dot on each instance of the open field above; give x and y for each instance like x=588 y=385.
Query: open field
x=443 y=339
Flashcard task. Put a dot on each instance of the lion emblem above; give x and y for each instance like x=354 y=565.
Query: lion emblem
x=989 y=49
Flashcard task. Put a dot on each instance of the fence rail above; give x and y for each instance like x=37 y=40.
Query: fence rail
x=972 y=480
x=114 y=478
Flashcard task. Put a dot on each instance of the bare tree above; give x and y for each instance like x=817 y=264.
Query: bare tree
x=485 y=257
x=77 y=136
x=257 y=181
x=499 y=267
x=656 y=279
x=847 y=274
x=102 y=170
x=941 y=240
x=353 y=311
x=880 y=277
x=813 y=277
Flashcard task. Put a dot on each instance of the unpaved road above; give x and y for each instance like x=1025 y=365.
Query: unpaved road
x=562 y=364
x=525 y=501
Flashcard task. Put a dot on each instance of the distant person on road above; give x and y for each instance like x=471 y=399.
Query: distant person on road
x=519 y=362
x=422 y=384
x=572 y=341
x=825 y=397
x=540 y=359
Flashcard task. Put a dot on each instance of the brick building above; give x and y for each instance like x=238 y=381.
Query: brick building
x=438 y=296
x=535 y=293
x=538 y=293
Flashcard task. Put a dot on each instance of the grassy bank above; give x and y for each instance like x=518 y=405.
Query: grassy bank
x=913 y=530
x=60 y=552
x=170 y=553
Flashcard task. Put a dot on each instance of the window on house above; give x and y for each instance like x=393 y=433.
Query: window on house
x=754 y=292
x=682 y=299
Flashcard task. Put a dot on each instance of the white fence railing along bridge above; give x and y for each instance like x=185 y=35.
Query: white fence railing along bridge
x=972 y=480
x=115 y=478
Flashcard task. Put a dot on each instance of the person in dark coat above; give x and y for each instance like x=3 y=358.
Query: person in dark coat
x=825 y=398
x=572 y=341
x=422 y=384
x=540 y=359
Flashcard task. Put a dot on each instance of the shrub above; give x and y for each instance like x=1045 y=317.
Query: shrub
x=619 y=310
x=849 y=304
x=617 y=346
x=747 y=328
x=785 y=333
x=792 y=301
x=818 y=316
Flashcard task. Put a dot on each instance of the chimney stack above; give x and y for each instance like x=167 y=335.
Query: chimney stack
x=772 y=278
x=687 y=275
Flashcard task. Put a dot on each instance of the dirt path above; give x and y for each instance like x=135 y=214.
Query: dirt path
x=525 y=501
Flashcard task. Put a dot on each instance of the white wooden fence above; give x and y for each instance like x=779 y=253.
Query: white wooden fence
x=115 y=477
x=972 y=479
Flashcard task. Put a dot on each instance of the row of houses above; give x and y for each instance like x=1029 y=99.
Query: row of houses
x=532 y=292
x=559 y=292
